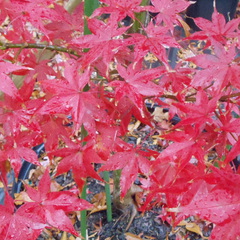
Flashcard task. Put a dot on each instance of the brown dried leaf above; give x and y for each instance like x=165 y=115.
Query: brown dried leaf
x=192 y=227
x=159 y=115
x=130 y=236
x=99 y=202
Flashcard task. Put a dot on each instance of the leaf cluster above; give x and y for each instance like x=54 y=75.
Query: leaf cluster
x=56 y=81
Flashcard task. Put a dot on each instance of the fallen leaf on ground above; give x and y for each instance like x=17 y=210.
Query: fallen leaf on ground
x=130 y=236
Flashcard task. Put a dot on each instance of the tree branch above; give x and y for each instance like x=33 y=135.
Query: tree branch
x=193 y=99
x=4 y=46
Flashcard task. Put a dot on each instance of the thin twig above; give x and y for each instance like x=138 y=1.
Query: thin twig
x=193 y=99
x=5 y=46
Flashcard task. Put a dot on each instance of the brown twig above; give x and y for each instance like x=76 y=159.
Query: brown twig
x=5 y=46
x=193 y=99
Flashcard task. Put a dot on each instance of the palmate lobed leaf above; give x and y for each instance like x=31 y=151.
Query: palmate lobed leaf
x=125 y=108
x=215 y=205
x=131 y=162
x=18 y=148
x=176 y=80
x=215 y=198
x=52 y=207
x=104 y=43
x=170 y=179
x=37 y=13
x=200 y=112
x=121 y=8
x=67 y=96
x=54 y=129
x=233 y=153
x=18 y=110
x=106 y=139
x=175 y=173
x=79 y=160
x=169 y=11
x=229 y=230
x=16 y=156
x=217 y=29
x=22 y=224
x=63 y=27
x=155 y=41
x=219 y=69
x=7 y=85
x=137 y=83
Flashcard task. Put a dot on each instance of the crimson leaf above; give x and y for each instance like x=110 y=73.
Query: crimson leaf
x=52 y=207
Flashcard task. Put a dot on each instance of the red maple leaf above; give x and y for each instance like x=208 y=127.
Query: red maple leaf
x=217 y=70
x=18 y=110
x=63 y=28
x=216 y=29
x=53 y=206
x=156 y=40
x=168 y=11
x=68 y=96
x=7 y=85
x=234 y=152
x=165 y=173
x=230 y=124
x=34 y=12
x=185 y=150
x=41 y=69
x=132 y=162
x=53 y=130
x=181 y=175
x=125 y=108
x=215 y=198
x=170 y=178
x=176 y=80
x=4 y=10
x=121 y=8
x=136 y=84
x=106 y=139
x=200 y=112
x=20 y=224
x=229 y=230
x=79 y=160
x=227 y=129
x=18 y=148
x=104 y=43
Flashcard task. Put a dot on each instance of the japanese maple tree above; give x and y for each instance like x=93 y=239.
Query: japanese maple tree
x=56 y=83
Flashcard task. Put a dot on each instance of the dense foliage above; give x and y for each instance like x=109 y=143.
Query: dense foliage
x=57 y=82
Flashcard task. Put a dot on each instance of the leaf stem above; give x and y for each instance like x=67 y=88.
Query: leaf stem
x=108 y=196
x=116 y=188
x=140 y=19
x=83 y=214
x=89 y=7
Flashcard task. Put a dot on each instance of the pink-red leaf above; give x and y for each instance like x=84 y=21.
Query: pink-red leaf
x=22 y=224
x=53 y=206
x=7 y=85
x=79 y=160
x=121 y=8
x=131 y=162
x=216 y=29
x=168 y=11
x=214 y=198
x=70 y=98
